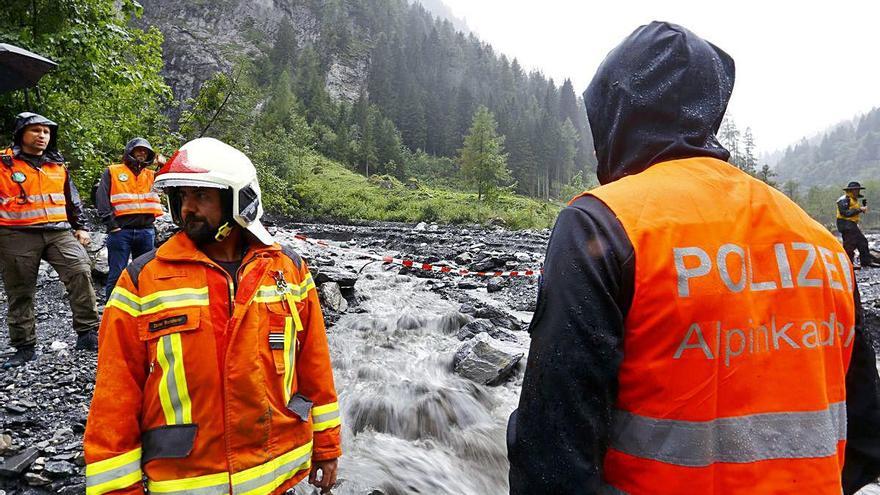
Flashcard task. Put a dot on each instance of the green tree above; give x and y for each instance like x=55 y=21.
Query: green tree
x=767 y=175
x=107 y=88
x=483 y=160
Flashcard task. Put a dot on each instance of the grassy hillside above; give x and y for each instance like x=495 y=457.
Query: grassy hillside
x=331 y=191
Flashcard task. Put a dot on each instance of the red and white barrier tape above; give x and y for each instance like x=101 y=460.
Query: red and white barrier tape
x=422 y=266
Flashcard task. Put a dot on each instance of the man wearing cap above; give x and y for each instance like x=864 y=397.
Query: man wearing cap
x=214 y=374
x=128 y=206
x=41 y=218
x=848 y=215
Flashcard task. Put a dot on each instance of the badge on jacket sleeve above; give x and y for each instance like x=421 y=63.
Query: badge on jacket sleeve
x=18 y=177
x=123 y=177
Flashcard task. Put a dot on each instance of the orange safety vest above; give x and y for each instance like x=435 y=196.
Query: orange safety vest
x=737 y=341
x=132 y=194
x=205 y=390
x=30 y=196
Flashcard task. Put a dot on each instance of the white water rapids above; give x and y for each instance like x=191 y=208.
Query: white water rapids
x=410 y=425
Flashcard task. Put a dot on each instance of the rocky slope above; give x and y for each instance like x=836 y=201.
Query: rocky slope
x=203 y=38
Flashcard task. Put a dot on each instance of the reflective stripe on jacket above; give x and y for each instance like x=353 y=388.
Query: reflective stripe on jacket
x=737 y=341
x=209 y=391
x=131 y=193
x=31 y=196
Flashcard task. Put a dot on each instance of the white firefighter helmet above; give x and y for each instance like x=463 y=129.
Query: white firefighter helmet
x=207 y=162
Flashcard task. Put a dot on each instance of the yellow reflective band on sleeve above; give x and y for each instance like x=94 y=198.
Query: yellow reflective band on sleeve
x=157 y=301
x=173 y=390
x=211 y=484
x=326 y=417
x=115 y=473
x=124 y=300
x=289 y=357
x=265 y=478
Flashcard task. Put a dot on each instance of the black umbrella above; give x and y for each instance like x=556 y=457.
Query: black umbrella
x=20 y=69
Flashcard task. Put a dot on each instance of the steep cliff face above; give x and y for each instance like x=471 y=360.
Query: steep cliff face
x=203 y=37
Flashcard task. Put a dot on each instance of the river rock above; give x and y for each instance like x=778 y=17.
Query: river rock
x=485 y=360
x=332 y=297
x=484 y=326
x=498 y=318
x=495 y=284
x=345 y=278
x=17 y=464
x=464 y=258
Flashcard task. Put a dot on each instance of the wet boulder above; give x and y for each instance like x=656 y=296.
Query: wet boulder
x=331 y=297
x=486 y=360
x=484 y=326
x=495 y=284
x=498 y=318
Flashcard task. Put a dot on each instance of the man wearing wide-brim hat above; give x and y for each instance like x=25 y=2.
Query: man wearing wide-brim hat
x=848 y=214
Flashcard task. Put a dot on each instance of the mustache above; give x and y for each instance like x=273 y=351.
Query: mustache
x=194 y=218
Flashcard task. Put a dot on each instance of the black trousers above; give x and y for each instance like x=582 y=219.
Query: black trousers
x=853 y=239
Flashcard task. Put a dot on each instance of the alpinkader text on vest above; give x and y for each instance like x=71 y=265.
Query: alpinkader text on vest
x=762 y=338
x=732 y=258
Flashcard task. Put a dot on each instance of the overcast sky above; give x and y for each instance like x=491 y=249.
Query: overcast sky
x=801 y=67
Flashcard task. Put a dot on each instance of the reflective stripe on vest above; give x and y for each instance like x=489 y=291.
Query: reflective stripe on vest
x=31 y=196
x=157 y=301
x=115 y=473
x=755 y=437
x=134 y=195
x=173 y=390
x=258 y=480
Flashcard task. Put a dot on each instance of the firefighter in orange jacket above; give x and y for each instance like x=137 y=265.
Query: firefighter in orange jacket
x=696 y=331
x=214 y=375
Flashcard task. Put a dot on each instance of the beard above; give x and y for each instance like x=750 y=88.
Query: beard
x=199 y=230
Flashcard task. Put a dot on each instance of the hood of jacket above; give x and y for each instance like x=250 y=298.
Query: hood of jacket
x=25 y=119
x=131 y=161
x=660 y=95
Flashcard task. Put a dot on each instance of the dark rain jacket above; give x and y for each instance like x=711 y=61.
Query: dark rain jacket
x=102 y=192
x=75 y=216
x=657 y=97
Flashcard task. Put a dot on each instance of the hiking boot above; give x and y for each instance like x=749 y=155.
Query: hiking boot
x=22 y=355
x=87 y=341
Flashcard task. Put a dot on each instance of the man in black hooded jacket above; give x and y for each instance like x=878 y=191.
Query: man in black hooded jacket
x=645 y=106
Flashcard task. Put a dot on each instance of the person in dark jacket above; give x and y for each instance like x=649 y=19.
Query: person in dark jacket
x=849 y=213
x=35 y=226
x=128 y=207
x=645 y=106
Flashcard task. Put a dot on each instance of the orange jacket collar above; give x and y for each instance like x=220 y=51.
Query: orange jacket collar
x=181 y=248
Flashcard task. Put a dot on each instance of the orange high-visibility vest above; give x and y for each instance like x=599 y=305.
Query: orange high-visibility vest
x=737 y=342
x=131 y=193
x=206 y=390
x=29 y=196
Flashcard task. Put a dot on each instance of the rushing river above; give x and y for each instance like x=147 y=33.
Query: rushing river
x=410 y=425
